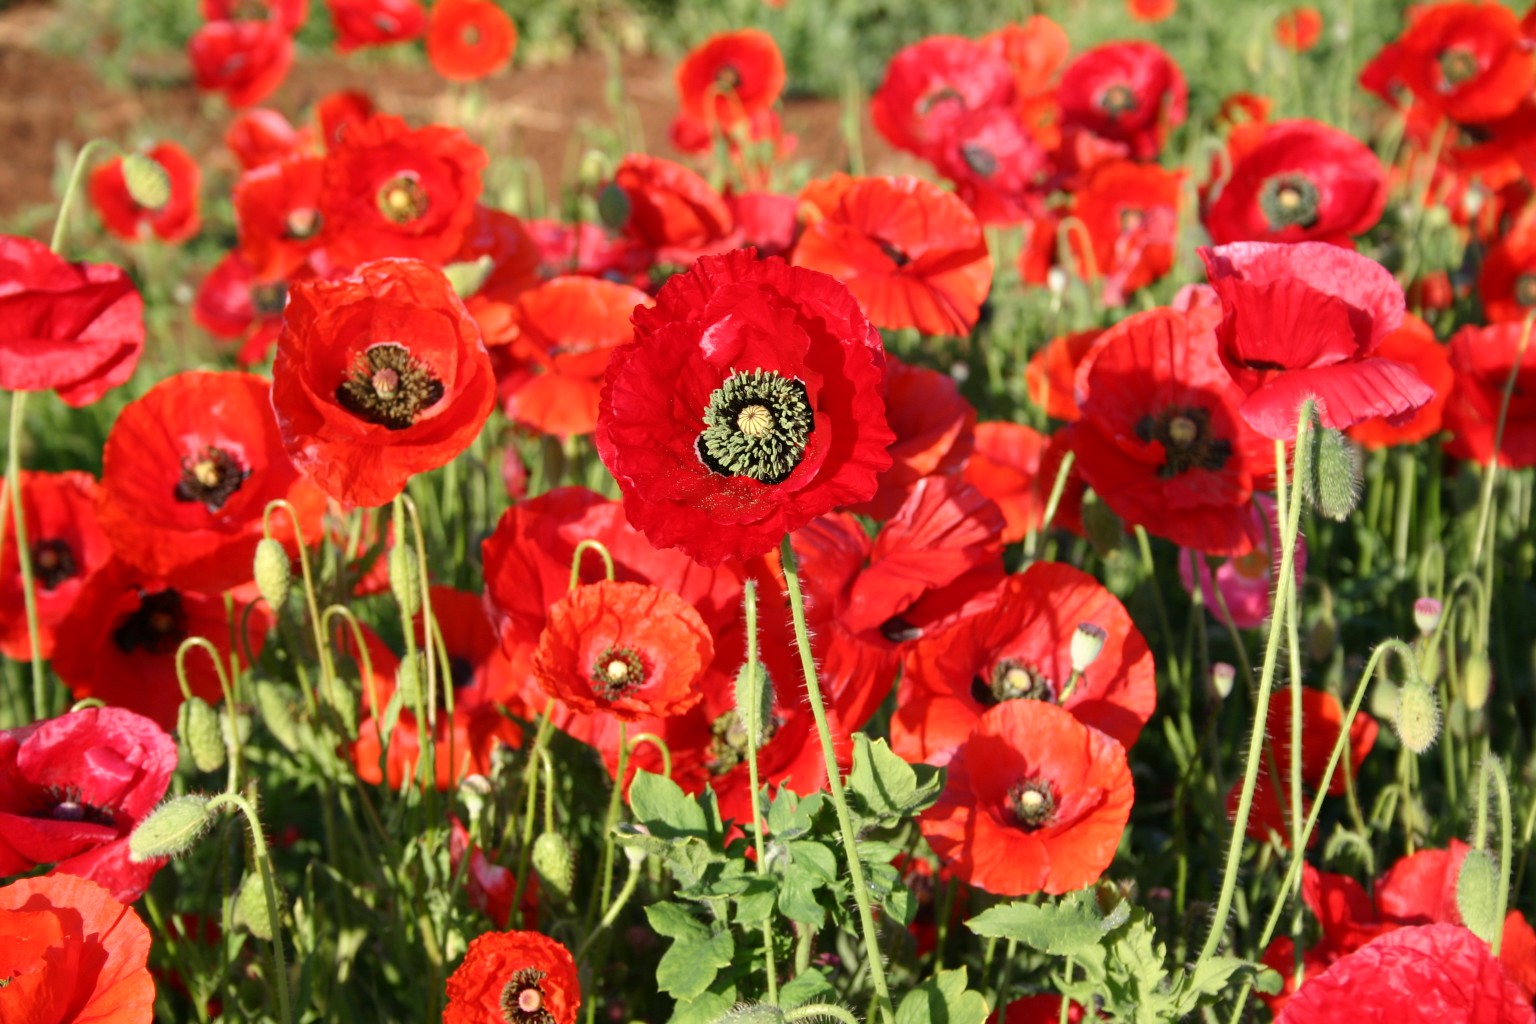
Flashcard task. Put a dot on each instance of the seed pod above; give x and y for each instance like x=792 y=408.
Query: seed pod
x=171 y=829
x=198 y=726
x=405 y=578
x=1087 y=644
x=1477 y=680
x=754 y=701
x=1426 y=614
x=613 y=207
x=1223 y=676
x=556 y=865
x=468 y=277
x=276 y=710
x=411 y=681
x=1418 y=716
x=1477 y=894
x=754 y=1013
x=274 y=573
x=251 y=907
x=1332 y=477
x=148 y=183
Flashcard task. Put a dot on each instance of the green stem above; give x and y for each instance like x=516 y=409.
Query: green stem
x=1485 y=500
x=754 y=729
x=1058 y=488
x=76 y=175
x=24 y=553
x=813 y=1010
x=269 y=887
x=835 y=781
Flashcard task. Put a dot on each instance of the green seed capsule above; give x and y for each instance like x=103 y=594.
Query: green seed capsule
x=171 y=829
x=1418 y=716
x=1477 y=895
x=148 y=183
x=202 y=734
x=555 y=863
x=274 y=573
x=405 y=579
x=251 y=907
x=1477 y=680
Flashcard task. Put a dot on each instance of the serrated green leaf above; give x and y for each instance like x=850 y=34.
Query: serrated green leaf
x=815 y=858
x=690 y=965
x=675 y=922
x=797 y=900
x=706 y=1009
x=665 y=810
x=1069 y=927
x=753 y=907
x=810 y=986
x=883 y=789
x=943 y=1000
x=900 y=905
x=791 y=815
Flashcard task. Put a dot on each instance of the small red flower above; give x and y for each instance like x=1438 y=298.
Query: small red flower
x=73 y=788
x=1414 y=345
x=1468 y=61
x=931 y=84
x=632 y=650
x=933 y=424
x=66 y=547
x=1299 y=28
x=71 y=952
x=1050 y=379
x=1427 y=973
x=187 y=473
x=379 y=376
x=518 y=977
x=998 y=167
x=375 y=22
x=277 y=213
x=1020 y=648
x=748 y=404
x=1131 y=213
x=469 y=39
x=730 y=79
x=1507 y=284
x=489 y=885
x=74 y=328
x=1306 y=320
x=259 y=136
x=233 y=306
x=1012 y=465
x=669 y=205
x=390 y=190
x=1129 y=92
x=1482 y=359
x=1035 y=801
x=176 y=221
x=1151 y=12
x=911 y=253
x=244 y=60
x=1296 y=181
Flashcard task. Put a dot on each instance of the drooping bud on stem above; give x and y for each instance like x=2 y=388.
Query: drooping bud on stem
x=274 y=573
x=555 y=863
x=198 y=726
x=148 y=183
x=1332 y=478
x=1477 y=894
x=1223 y=676
x=171 y=829
x=251 y=907
x=1426 y=615
x=1477 y=680
x=1418 y=715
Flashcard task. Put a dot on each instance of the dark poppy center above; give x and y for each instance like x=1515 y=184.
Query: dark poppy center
x=1185 y=434
x=728 y=742
x=402 y=199
x=63 y=803
x=1289 y=200
x=1033 y=803
x=898 y=630
x=1011 y=679
x=756 y=425
x=470 y=35
x=1117 y=100
x=268 y=300
x=727 y=79
x=522 y=1000
x=210 y=476
x=52 y=563
x=302 y=223
x=157 y=627
x=893 y=253
x=616 y=671
x=1525 y=290
x=1457 y=65
x=389 y=387
x=1131 y=220
x=945 y=95
x=979 y=159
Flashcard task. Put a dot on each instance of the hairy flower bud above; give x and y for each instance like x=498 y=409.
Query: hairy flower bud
x=1477 y=895
x=1331 y=474
x=556 y=865
x=1426 y=615
x=198 y=726
x=752 y=1013
x=405 y=578
x=1477 y=680
x=1418 y=716
x=171 y=829
x=251 y=907
x=754 y=701
x=148 y=183
x=274 y=573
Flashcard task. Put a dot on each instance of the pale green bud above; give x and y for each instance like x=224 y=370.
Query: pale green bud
x=201 y=734
x=274 y=573
x=555 y=863
x=251 y=907
x=148 y=183
x=1477 y=680
x=1418 y=716
x=171 y=829
x=405 y=579
x=1332 y=478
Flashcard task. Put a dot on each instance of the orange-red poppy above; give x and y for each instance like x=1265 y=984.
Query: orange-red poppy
x=1051 y=376
x=730 y=79
x=469 y=39
x=1414 y=345
x=1151 y=11
x=1299 y=28
x=523 y=977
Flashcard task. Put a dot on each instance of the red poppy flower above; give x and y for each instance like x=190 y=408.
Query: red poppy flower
x=121 y=214
x=188 y=471
x=669 y=205
x=632 y=650
x=1160 y=439
x=244 y=60
x=74 y=328
x=1299 y=28
x=514 y=976
x=1050 y=379
x=911 y=253
x=379 y=376
x=748 y=404
x=1507 y=283
x=290 y=14
x=1151 y=11
x=233 y=306
x=390 y=190
x=730 y=78
x=1131 y=214
x=1414 y=345
x=1128 y=92
x=1241 y=108
x=490 y=886
x=1013 y=465
x=277 y=212
x=66 y=547
x=375 y=22
x=933 y=424
x=932 y=83
x=125 y=629
x=1034 y=801
x=70 y=952
x=566 y=329
x=998 y=168
x=259 y=136
x=469 y=39
x=1038 y=1009
x=1468 y=61
x=1297 y=181
x=1482 y=359
x=339 y=112
x=1425 y=973
x=587 y=249
x=1021 y=648
x=72 y=789
x=1306 y=320
x=1037 y=50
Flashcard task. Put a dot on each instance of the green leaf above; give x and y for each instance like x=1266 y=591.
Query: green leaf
x=691 y=964
x=883 y=789
x=791 y=816
x=706 y=1009
x=1069 y=927
x=815 y=858
x=943 y=1000
x=666 y=811
x=810 y=986
x=797 y=900
x=675 y=922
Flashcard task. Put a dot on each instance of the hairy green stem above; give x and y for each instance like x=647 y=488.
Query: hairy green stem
x=269 y=887
x=754 y=729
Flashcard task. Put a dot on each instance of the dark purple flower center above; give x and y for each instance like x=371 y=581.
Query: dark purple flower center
x=616 y=671
x=302 y=223
x=64 y=803
x=1457 y=65
x=1289 y=200
x=1525 y=290
x=402 y=199
x=727 y=79
x=728 y=745
x=1117 y=99
x=389 y=387
x=981 y=160
x=52 y=563
x=158 y=626
x=522 y=1000
x=268 y=300
x=210 y=476
x=1185 y=434
x=1033 y=803
x=1011 y=679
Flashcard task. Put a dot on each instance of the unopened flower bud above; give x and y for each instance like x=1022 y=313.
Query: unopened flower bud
x=753 y=1013
x=1418 y=716
x=148 y=183
x=405 y=578
x=754 y=701
x=171 y=829
x=1477 y=894
x=473 y=791
x=467 y=278
x=1223 y=676
x=1087 y=644
x=1426 y=614
x=274 y=573
x=277 y=712
x=1322 y=638
x=411 y=681
x=200 y=732
x=251 y=912
x=1477 y=680
x=555 y=863
x=1331 y=477
x=613 y=206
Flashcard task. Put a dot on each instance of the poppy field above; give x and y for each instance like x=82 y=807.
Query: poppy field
x=992 y=515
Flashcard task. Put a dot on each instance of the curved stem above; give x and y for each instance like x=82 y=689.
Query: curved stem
x=810 y=1010
x=327 y=670
x=835 y=781
x=269 y=887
